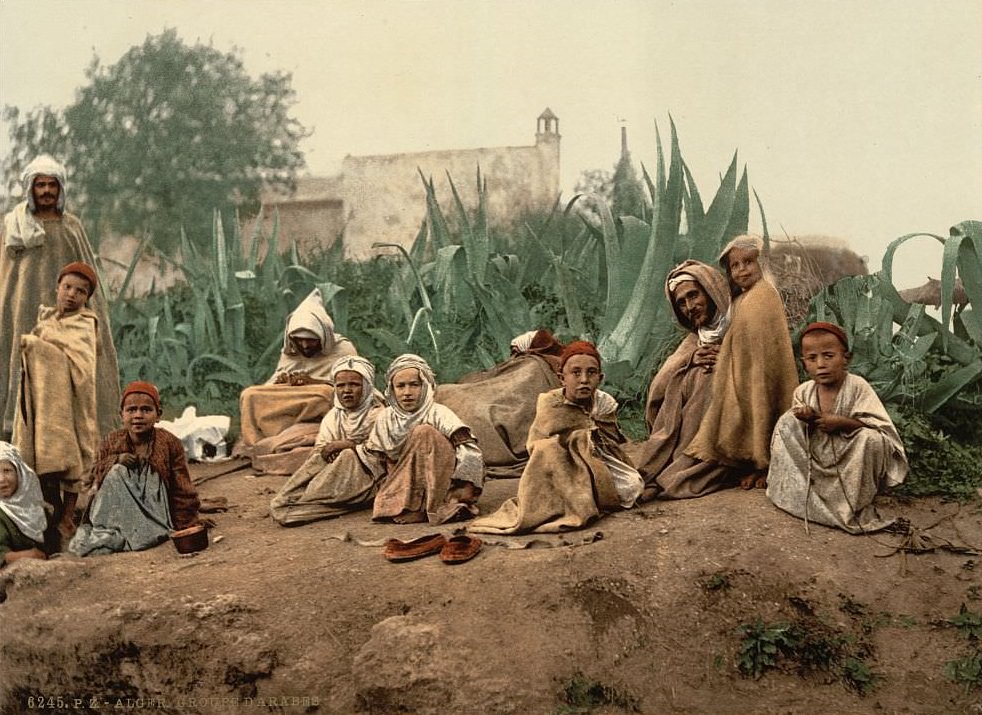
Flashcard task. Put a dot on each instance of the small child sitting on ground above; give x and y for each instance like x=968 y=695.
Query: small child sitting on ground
x=333 y=480
x=22 y=519
x=577 y=469
x=836 y=447
x=56 y=427
x=424 y=458
x=143 y=487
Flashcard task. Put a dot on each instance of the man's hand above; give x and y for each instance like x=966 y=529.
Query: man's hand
x=705 y=357
x=300 y=378
x=282 y=378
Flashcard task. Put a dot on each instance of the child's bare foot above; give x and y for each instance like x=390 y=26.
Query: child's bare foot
x=66 y=529
x=410 y=517
x=650 y=493
x=747 y=482
x=760 y=480
x=32 y=553
x=465 y=492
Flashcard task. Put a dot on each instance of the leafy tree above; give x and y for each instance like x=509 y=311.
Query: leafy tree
x=595 y=181
x=161 y=138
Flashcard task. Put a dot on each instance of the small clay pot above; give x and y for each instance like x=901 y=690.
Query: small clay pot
x=187 y=541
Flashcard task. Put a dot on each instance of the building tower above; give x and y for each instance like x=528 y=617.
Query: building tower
x=547 y=147
x=545 y=131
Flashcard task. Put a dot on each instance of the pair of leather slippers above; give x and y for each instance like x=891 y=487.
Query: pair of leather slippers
x=455 y=550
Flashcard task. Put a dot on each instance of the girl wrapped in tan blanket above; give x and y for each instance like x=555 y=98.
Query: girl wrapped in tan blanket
x=755 y=372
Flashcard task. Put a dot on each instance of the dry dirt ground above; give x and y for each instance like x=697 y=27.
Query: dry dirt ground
x=639 y=613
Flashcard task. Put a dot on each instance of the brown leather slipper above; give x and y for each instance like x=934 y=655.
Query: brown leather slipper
x=395 y=550
x=459 y=549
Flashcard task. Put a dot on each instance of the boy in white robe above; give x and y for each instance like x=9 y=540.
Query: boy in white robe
x=836 y=448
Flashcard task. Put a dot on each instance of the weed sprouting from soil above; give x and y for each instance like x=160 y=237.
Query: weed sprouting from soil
x=968 y=623
x=719 y=581
x=581 y=694
x=807 y=645
x=857 y=676
x=761 y=645
x=967 y=670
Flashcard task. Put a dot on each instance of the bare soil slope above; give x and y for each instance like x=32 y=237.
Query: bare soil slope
x=638 y=613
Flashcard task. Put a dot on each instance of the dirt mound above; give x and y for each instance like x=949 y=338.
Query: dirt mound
x=658 y=609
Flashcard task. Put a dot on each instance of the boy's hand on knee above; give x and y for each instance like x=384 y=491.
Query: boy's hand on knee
x=805 y=413
x=128 y=460
x=331 y=450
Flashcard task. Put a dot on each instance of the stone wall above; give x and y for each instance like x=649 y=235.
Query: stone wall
x=386 y=200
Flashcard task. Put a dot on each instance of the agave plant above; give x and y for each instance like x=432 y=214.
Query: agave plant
x=452 y=276
x=638 y=325
x=221 y=330
x=471 y=276
x=908 y=356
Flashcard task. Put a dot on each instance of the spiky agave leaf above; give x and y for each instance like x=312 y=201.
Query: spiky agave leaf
x=645 y=312
x=715 y=229
x=436 y=221
x=475 y=238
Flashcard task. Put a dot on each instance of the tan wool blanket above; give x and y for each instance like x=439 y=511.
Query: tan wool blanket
x=283 y=453
x=28 y=278
x=321 y=490
x=566 y=484
x=55 y=426
x=267 y=410
x=499 y=407
x=754 y=378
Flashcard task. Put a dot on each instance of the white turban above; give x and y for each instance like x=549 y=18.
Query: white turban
x=43 y=165
x=522 y=343
x=20 y=228
x=673 y=281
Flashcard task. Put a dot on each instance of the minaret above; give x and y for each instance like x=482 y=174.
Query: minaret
x=547 y=149
x=547 y=127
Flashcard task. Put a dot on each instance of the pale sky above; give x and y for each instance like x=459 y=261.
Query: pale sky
x=858 y=119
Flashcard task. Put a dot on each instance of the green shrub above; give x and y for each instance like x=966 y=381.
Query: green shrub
x=940 y=465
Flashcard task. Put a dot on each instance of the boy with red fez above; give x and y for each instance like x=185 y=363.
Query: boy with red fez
x=55 y=424
x=577 y=469
x=836 y=447
x=143 y=490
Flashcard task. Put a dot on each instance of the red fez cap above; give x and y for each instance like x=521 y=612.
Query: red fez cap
x=828 y=328
x=142 y=388
x=82 y=269
x=579 y=347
